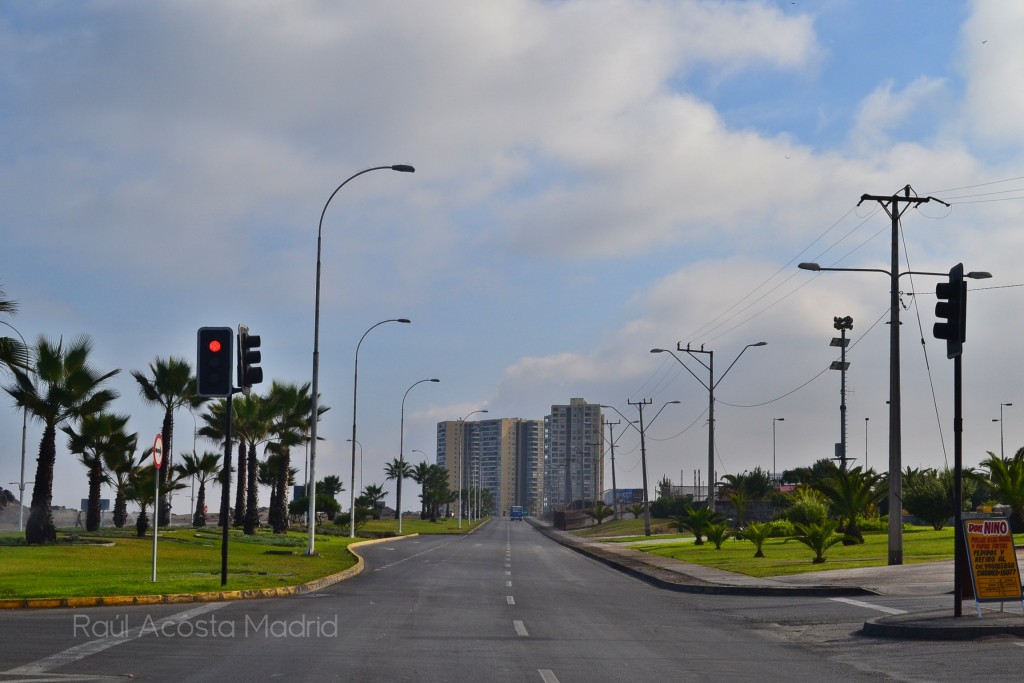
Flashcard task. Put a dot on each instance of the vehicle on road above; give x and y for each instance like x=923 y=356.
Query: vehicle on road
x=516 y=513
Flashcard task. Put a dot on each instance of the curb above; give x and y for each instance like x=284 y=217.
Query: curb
x=209 y=596
x=940 y=625
x=681 y=583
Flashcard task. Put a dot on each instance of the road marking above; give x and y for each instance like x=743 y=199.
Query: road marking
x=508 y=584
x=520 y=628
x=510 y=600
x=79 y=652
x=508 y=573
x=868 y=605
x=422 y=552
x=547 y=675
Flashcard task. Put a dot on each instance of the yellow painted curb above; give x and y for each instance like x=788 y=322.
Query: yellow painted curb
x=214 y=596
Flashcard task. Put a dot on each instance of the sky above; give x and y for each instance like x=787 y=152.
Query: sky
x=593 y=179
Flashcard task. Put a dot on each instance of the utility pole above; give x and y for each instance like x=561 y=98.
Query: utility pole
x=611 y=446
x=643 y=459
x=892 y=207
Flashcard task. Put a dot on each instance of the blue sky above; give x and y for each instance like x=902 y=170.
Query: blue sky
x=593 y=179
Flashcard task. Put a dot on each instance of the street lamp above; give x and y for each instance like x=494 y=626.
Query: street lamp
x=462 y=459
x=24 y=427
x=774 y=420
x=895 y=423
x=710 y=386
x=1002 y=447
x=643 y=449
x=315 y=385
x=401 y=454
x=355 y=390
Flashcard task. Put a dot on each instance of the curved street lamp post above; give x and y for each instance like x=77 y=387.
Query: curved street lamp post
x=315 y=385
x=401 y=453
x=355 y=390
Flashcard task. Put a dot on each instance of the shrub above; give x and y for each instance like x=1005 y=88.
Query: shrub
x=717 y=533
x=758 y=533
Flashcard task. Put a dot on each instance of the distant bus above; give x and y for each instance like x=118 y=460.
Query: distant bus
x=516 y=513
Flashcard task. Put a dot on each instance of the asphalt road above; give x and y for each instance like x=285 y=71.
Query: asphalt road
x=502 y=604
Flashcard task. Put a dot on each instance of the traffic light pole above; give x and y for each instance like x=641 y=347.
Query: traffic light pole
x=225 y=495
x=959 y=552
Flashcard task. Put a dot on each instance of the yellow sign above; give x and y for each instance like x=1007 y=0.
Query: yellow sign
x=993 y=561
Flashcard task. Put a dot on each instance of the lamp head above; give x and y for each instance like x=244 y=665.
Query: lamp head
x=978 y=275
x=659 y=350
x=403 y=168
x=402 y=320
x=760 y=343
x=808 y=266
x=435 y=380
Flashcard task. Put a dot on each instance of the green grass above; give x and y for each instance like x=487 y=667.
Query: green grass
x=116 y=562
x=920 y=544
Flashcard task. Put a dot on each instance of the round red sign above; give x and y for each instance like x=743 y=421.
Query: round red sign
x=158 y=451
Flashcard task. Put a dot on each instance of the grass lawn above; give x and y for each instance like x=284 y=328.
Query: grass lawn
x=624 y=529
x=782 y=556
x=188 y=561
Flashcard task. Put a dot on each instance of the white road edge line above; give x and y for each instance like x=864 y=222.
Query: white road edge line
x=79 y=652
x=868 y=605
x=547 y=675
x=520 y=628
x=510 y=600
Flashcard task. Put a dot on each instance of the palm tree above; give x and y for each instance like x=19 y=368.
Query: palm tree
x=757 y=533
x=119 y=465
x=374 y=495
x=419 y=475
x=204 y=468
x=290 y=427
x=253 y=419
x=637 y=509
x=398 y=469
x=65 y=388
x=98 y=434
x=172 y=386
x=697 y=521
x=214 y=422
x=12 y=352
x=852 y=492
x=142 y=490
x=1006 y=477
x=818 y=537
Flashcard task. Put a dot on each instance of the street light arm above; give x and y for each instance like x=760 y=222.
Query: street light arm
x=679 y=360
x=628 y=421
x=760 y=343
x=974 y=274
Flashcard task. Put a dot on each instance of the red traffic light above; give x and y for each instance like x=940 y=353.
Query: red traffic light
x=214 y=345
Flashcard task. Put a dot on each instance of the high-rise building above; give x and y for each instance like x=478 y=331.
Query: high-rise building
x=503 y=457
x=573 y=450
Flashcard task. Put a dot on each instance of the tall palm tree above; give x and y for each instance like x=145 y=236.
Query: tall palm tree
x=172 y=386
x=398 y=469
x=291 y=405
x=252 y=420
x=1006 y=477
x=97 y=435
x=204 y=468
x=419 y=475
x=119 y=466
x=63 y=388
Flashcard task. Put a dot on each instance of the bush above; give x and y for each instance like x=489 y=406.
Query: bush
x=782 y=528
x=670 y=506
x=807 y=511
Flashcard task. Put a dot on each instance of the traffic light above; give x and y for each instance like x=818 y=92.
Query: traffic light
x=952 y=306
x=249 y=372
x=213 y=361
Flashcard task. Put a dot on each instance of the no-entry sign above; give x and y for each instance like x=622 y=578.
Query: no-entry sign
x=158 y=451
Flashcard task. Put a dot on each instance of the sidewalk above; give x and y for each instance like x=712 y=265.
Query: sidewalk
x=934 y=578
